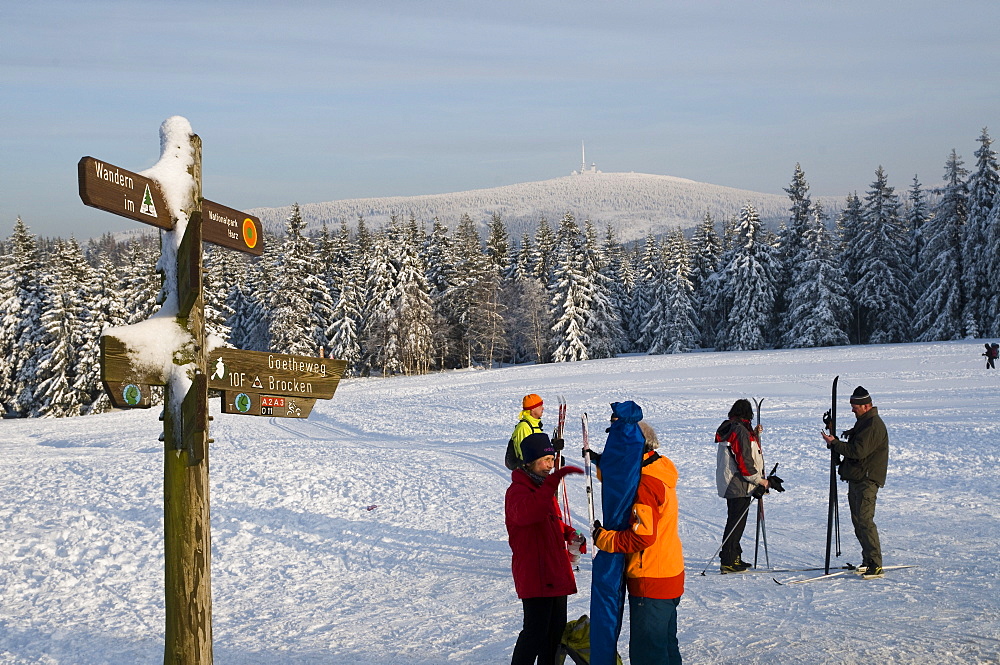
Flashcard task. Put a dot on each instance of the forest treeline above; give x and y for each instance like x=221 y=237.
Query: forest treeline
x=415 y=296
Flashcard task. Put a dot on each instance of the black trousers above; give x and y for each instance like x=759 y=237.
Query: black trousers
x=736 y=522
x=544 y=623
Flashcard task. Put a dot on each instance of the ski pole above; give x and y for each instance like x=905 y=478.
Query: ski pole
x=586 y=463
x=760 y=525
x=727 y=537
x=763 y=532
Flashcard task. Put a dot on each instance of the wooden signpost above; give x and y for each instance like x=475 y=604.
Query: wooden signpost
x=231 y=228
x=275 y=406
x=274 y=373
x=289 y=385
x=122 y=192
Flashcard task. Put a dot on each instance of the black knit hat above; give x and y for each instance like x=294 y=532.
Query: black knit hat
x=535 y=446
x=861 y=396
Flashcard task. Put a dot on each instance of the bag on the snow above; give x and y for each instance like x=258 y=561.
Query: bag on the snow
x=576 y=643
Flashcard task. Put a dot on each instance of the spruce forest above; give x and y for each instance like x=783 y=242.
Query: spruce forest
x=891 y=267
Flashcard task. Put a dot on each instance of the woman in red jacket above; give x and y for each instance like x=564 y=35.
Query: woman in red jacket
x=540 y=562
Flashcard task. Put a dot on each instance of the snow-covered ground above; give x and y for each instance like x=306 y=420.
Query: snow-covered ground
x=304 y=573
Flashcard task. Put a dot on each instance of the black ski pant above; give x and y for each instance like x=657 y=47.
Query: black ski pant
x=544 y=622
x=736 y=522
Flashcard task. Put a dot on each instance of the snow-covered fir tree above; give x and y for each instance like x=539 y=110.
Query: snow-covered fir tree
x=604 y=329
x=439 y=260
x=55 y=342
x=976 y=246
x=141 y=284
x=706 y=255
x=646 y=306
x=524 y=259
x=220 y=276
x=819 y=308
x=498 y=245
x=378 y=334
x=917 y=214
x=882 y=286
x=345 y=343
x=545 y=244
x=414 y=311
x=619 y=275
x=791 y=244
x=250 y=321
x=749 y=289
x=680 y=327
x=979 y=243
x=849 y=227
x=21 y=327
x=292 y=291
x=570 y=293
x=940 y=310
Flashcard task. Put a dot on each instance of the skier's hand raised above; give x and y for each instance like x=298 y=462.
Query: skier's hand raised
x=559 y=474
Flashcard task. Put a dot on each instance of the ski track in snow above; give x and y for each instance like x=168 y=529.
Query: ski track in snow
x=304 y=573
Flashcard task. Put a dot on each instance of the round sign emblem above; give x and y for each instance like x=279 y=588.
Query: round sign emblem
x=249 y=233
x=242 y=402
x=131 y=394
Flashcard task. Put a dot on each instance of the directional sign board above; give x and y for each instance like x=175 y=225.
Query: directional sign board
x=274 y=373
x=231 y=228
x=122 y=192
x=117 y=367
x=128 y=395
x=277 y=406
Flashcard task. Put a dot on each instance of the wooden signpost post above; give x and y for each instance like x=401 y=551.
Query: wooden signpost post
x=289 y=385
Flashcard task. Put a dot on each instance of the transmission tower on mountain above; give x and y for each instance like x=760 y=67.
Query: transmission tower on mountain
x=583 y=163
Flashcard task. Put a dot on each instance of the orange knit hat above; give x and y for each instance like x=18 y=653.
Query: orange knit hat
x=530 y=402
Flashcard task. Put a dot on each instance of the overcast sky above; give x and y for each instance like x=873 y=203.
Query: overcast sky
x=319 y=101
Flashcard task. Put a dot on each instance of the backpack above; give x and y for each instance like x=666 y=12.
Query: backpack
x=576 y=643
x=511 y=459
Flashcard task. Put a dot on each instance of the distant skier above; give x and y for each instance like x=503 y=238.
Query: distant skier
x=864 y=468
x=654 y=560
x=540 y=562
x=530 y=422
x=739 y=476
x=992 y=351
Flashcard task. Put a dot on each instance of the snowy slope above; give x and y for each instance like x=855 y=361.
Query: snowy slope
x=303 y=573
x=634 y=203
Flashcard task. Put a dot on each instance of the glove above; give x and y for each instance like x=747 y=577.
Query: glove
x=774 y=482
x=595 y=456
x=596 y=530
x=559 y=474
x=558 y=444
x=577 y=546
x=758 y=491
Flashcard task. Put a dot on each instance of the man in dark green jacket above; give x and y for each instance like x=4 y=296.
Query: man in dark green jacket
x=864 y=467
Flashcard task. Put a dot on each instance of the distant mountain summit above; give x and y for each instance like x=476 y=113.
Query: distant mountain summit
x=633 y=203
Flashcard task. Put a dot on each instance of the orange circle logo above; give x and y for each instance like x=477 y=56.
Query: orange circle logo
x=249 y=233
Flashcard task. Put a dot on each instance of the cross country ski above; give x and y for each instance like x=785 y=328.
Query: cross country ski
x=838 y=573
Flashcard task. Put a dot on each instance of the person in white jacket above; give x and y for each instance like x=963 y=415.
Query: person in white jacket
x=739 y=475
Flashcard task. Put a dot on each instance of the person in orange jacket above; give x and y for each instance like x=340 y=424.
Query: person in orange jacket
x=654 y=561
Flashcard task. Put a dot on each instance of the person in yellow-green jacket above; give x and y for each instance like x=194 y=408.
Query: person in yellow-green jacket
x=654 y=560
x=530 y=423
